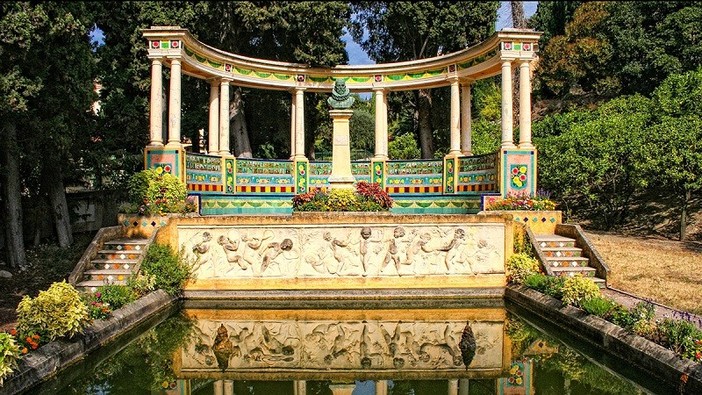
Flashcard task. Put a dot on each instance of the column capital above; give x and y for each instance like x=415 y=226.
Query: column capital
x=379 y=89
x=466 y=81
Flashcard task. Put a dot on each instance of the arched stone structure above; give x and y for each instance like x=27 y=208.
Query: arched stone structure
x=460 y=177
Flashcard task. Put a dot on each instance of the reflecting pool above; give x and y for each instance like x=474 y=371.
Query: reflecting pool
x=469 y=350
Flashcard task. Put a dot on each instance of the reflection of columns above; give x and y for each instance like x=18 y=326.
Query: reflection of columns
x=455 y=126
x=156 y=109
x=507 y=104
x=174 y=104
x=381 y=125
x=300 y=387
x=224 y=118
x=524 y=105
x=213 y=140
x=463 y=386
x=228 y=387
x=218 y=387
x=300 y=123
x=466 y=127
x=293 y=122
x=452 y=387
x=381 y=387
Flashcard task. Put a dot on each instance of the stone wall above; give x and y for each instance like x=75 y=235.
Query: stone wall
x=343 y=251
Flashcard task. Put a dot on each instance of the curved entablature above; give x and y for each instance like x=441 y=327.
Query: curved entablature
x=203 y=61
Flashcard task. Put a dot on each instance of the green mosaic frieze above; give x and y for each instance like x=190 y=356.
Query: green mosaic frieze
x=203 y=169
x=229 y=173
x=475 y=163
x=426 y=167
x=302 y=177
x=258 y=167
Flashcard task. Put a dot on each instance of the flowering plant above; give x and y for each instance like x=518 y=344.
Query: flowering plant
x=524 y=201
x=366 y=197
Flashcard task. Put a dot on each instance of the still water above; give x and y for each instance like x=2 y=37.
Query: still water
x=496 y=349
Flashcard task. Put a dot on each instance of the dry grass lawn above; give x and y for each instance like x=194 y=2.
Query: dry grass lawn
x=668 y=272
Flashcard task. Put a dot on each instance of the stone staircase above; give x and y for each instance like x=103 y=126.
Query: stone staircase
x=114 y=263
x=564 y=258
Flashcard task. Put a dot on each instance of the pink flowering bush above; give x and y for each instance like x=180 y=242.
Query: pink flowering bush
x=523 y=201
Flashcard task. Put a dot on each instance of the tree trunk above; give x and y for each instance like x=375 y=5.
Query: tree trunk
x=518 y=19
x=683 y=215
x=242 y=147
x=426 y=141
x=14 y=238
x=53 y=179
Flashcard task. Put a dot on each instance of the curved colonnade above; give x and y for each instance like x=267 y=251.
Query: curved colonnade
x=177 y=49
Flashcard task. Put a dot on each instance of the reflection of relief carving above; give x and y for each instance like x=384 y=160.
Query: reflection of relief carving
x=408 y=250
x=351 y=345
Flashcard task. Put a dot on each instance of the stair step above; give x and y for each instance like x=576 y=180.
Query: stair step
x=112 y=265
x=554 y=241
x=103 y=261
x=107 y=275
x=574 y=271
x=575 y=261
x=117 y=253
x=600 y=282
x=93 y=285
x=562 y=252
x=126 y=244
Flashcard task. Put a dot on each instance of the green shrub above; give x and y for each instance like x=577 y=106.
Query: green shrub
x=115 y=295
x=342 y=200
x=169 y=269
x=548 y=285
x=681 y=336
x=97 y=309
x=579 y=288
x=155 y=192
x=519 y=266
x=141 y=284
x=9 y=355
x=599 y=306
x=56 y=312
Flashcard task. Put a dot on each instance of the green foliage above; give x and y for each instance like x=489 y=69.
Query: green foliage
x=598 y=165
x=169 y=269
x=578 y=288
x=365 y=197
x=141 y=284
x=521 y=266
x=97 y=309
x=9 y=355
x=156 y=192
x=404 y=147
x=56 y=312
x=598 y=305
x=549 y=285
x=115 y=295
x=485 y=137
x=683 y=337
x=521 y=243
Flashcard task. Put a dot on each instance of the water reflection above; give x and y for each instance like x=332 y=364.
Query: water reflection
x=357 y=352
x=362 y=344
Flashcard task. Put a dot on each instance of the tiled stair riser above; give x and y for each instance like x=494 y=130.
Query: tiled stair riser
x=573 y=262
x=562 y=253
x=118 y=255
x=556 y=244
x=113 y=264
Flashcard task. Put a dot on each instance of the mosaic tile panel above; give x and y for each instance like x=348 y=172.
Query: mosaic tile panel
x=203 y=173
x=229 y=172
x=410 y=177
x=229 y=205
x=167 y=160
x=477 y=174
x=378 y=172
x=361 y=170
x=302 y=176
x=450 y=175
x=319 y=174
x=437 y=205
x=264 y=176
x=518 y=172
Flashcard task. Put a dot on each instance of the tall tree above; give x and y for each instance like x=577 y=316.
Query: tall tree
x=46 y=89
x=400 y=31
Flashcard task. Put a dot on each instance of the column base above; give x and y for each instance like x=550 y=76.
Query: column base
x=508 y=145
x=528 y=145
x=174 y=144
x=467 y=153
x=454 y=154
x=155 y=144
x=379 y=157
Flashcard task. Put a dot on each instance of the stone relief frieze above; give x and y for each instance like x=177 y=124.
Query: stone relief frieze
x=343 y=346
x=364 y=251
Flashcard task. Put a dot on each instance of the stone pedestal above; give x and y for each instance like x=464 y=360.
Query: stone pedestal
x=341 y=176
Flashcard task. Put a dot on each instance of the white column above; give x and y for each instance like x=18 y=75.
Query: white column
x=463 y=386
x=224 y=118
x=381 y=125
x=213 y=131
x=299 y=123
x=156 y=108
x=293 y=123
x=174 y=104
x=228 y=387
x=381 y=387
x=524 y=105
x=507 y=104
x=455 y=126
x=299 y=387
x=466 y=120
x=218 y=387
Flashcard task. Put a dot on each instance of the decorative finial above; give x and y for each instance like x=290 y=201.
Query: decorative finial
x=341 y=98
